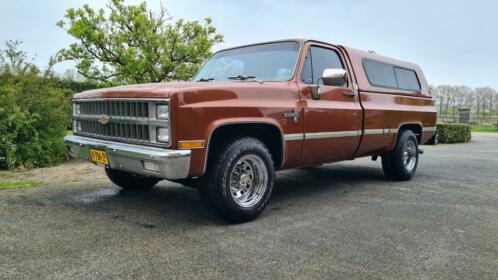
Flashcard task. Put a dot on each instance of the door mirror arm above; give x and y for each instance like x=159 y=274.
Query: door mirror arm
x=315 y=91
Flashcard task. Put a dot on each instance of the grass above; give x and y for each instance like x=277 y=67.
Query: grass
x=23 y=183
x=484 y=128
x=69 y=132
x=4 y=174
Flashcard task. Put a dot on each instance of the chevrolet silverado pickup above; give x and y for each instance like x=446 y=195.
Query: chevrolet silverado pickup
x=253 y=110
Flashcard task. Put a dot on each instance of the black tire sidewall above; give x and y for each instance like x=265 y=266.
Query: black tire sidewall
x=403 y=172
x=219 y=198
x=259 y=206
x=392 y=163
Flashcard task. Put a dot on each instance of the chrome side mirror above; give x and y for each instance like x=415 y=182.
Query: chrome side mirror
x=335 y=77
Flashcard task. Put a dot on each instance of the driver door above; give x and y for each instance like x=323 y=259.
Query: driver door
x=333 y=122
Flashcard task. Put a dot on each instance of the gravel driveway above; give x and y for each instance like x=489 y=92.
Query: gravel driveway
x=337 y=221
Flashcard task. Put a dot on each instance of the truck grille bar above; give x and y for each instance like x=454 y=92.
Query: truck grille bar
x=122 y=120
x=137 y=109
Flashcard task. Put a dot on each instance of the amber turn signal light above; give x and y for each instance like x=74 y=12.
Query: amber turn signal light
x=193 y=144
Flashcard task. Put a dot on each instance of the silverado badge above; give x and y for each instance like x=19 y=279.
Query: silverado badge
x=104 y=119
x=294 y=115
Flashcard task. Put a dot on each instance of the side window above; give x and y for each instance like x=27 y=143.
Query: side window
x=407 y=79
x=307 y=76
x=380 y=74
x=322 y=59
x=388 y=75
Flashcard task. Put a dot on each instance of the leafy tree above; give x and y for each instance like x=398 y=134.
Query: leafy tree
x=130 y=44
x=14 y=60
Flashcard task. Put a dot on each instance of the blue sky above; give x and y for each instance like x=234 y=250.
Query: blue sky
x=455 y=42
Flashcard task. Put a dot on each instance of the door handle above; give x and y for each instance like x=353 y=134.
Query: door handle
x=349 y=94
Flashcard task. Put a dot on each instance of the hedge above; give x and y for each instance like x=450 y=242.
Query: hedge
x=453 y=133
x=33 y=120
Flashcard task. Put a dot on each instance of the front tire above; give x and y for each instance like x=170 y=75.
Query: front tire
x=239 y=181
x=130 y=181
x=401 y=163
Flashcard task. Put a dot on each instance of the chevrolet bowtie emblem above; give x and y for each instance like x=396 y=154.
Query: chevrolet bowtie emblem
x=104 y=119
x=294 y=115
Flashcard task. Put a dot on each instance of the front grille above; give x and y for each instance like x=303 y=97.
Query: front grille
x=116 y=130
x=117 y=108
x=122 y=120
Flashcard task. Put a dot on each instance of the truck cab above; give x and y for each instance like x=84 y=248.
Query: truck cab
x=253 y=110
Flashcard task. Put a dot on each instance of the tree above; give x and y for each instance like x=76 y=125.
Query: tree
x=14 y=60
x=130 y=44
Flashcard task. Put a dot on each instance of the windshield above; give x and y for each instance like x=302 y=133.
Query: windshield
x=266 y=62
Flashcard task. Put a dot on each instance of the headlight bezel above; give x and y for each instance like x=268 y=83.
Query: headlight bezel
x=164 y=136
x=162 y=111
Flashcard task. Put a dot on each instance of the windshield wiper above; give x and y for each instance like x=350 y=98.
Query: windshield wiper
x=205 y=80
x=244 y=77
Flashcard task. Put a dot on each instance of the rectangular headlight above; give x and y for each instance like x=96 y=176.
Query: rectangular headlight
x=162 y=134
x=162 y=112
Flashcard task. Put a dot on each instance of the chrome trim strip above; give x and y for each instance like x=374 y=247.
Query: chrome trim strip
x=428 y=129
x=173 y=164
x=165 y=99
x=333 y=134
x=373 y=131
x=336 y=134
x=392 y=130
x=294 y=137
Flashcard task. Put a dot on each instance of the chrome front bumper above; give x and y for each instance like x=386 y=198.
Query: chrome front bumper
x=172 y=164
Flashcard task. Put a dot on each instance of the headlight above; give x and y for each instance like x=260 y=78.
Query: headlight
x=162 y=112
x=162 y=134
x=76 y=109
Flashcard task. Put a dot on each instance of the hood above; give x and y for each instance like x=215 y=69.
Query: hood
x=151 y=90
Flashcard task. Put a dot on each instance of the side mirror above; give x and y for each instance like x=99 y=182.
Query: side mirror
x=335 y=77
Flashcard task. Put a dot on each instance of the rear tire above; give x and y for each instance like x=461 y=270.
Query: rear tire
x=401 y=163
x=239 y=181
x=130 y=181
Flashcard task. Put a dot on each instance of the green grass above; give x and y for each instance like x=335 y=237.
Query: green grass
x=69 y=132
x=23 y=183
x=4 y=174
x=484 y=128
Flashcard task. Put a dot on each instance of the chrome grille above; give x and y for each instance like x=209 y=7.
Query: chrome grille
x=123 y=120
x=115 y=130
x=116 y=108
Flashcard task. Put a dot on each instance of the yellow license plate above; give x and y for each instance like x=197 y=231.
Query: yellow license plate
x=99 y=156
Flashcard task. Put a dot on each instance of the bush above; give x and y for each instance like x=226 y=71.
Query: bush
x=33 y=120
x=453 y=133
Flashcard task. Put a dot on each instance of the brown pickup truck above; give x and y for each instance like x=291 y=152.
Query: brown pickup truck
x=253 y=110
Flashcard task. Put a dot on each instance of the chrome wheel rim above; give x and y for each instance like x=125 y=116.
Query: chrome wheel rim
x=409 y=155
x=248 y=180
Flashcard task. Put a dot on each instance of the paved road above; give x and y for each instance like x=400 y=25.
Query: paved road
x=337 y=221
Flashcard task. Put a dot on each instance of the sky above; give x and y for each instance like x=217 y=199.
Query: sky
x=455 y=42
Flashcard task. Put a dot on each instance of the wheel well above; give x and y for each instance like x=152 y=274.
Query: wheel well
x=269 y=134
x=415 y=128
